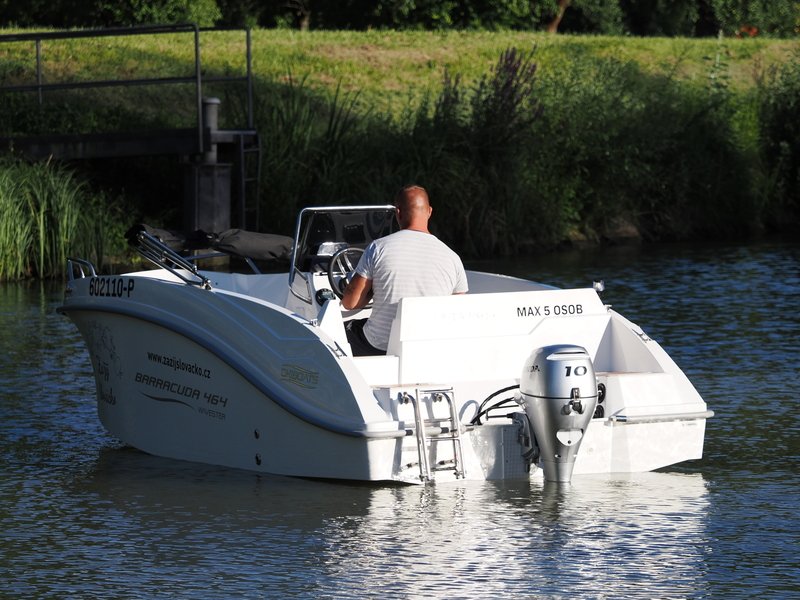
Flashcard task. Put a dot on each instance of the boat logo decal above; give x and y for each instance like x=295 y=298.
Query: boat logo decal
x=107 y=395
x=169 y=400
x=103 y=352
x=209 y=412
x=299 y=376
x=166 y=385
x=214 y=414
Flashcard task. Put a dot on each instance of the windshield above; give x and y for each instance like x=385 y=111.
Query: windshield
x=323 y=231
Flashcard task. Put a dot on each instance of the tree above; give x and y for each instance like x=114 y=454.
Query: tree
x=302 y=12
x=552 y=26
x=661 y=17
x=108 y=13
x=205 y=13
x=754 y=17
x=240 y=13
x=587 y=16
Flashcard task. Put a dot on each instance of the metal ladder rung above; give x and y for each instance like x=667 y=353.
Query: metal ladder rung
x=442 y=467
x=429 y=431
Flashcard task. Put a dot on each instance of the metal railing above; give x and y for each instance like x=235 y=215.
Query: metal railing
x=197 y=78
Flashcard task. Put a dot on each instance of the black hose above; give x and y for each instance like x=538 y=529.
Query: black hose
x=482 y=410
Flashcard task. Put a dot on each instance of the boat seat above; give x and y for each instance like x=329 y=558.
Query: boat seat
x=440 y=339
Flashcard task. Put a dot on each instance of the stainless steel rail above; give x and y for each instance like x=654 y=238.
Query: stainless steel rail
x=197 y=78
x=688 y=416
x=165 y=257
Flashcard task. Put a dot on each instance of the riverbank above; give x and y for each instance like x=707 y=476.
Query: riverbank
x=525 y=141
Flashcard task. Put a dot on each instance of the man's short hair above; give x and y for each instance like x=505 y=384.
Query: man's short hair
x=404 y=191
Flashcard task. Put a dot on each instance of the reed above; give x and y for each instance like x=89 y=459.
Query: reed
x=312 y=153
x=46 y=215
x=16 y=227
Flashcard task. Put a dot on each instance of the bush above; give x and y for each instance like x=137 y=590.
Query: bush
x=312 y=154
x=628 y=147
x=780 y=141
x=519 y=162
x=472 y=149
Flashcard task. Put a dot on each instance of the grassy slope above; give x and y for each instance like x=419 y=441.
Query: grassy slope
x=391 y=69
x=386 y=68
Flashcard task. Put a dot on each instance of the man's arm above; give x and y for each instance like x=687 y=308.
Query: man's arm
x=357 y=293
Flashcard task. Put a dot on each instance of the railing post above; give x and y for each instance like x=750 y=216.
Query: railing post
x=249 y=82
x=39 y=68
x=198 y=89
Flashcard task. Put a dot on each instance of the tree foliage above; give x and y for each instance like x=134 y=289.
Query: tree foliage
x=107 y=13
x=636 y=17
x=593 y=16
x=663 y=17
x=751 y=17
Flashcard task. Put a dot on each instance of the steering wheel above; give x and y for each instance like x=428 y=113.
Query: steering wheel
x=340 y=265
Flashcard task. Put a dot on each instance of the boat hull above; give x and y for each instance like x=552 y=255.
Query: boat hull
x=164 y=394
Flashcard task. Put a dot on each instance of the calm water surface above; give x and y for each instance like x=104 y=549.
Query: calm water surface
x=83 y=516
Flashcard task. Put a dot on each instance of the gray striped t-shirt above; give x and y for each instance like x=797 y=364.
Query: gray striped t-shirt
x=406 y=263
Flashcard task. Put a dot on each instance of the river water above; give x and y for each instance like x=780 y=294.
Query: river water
x=83 y=516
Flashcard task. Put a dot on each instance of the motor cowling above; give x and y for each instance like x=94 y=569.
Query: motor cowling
x=558 y=391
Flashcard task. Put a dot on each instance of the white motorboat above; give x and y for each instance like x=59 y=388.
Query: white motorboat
x=514 y=379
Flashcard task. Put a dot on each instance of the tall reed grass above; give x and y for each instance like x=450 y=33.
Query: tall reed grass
x=46 y=215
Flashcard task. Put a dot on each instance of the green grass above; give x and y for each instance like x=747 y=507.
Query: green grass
x=386 y=68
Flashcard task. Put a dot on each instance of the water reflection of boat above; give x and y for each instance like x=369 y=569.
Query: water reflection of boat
x=154 y=493
x=643 y=535
x=646 y=534
x=254 y=370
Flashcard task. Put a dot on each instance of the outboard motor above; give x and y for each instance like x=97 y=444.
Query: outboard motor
x=559 y=393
